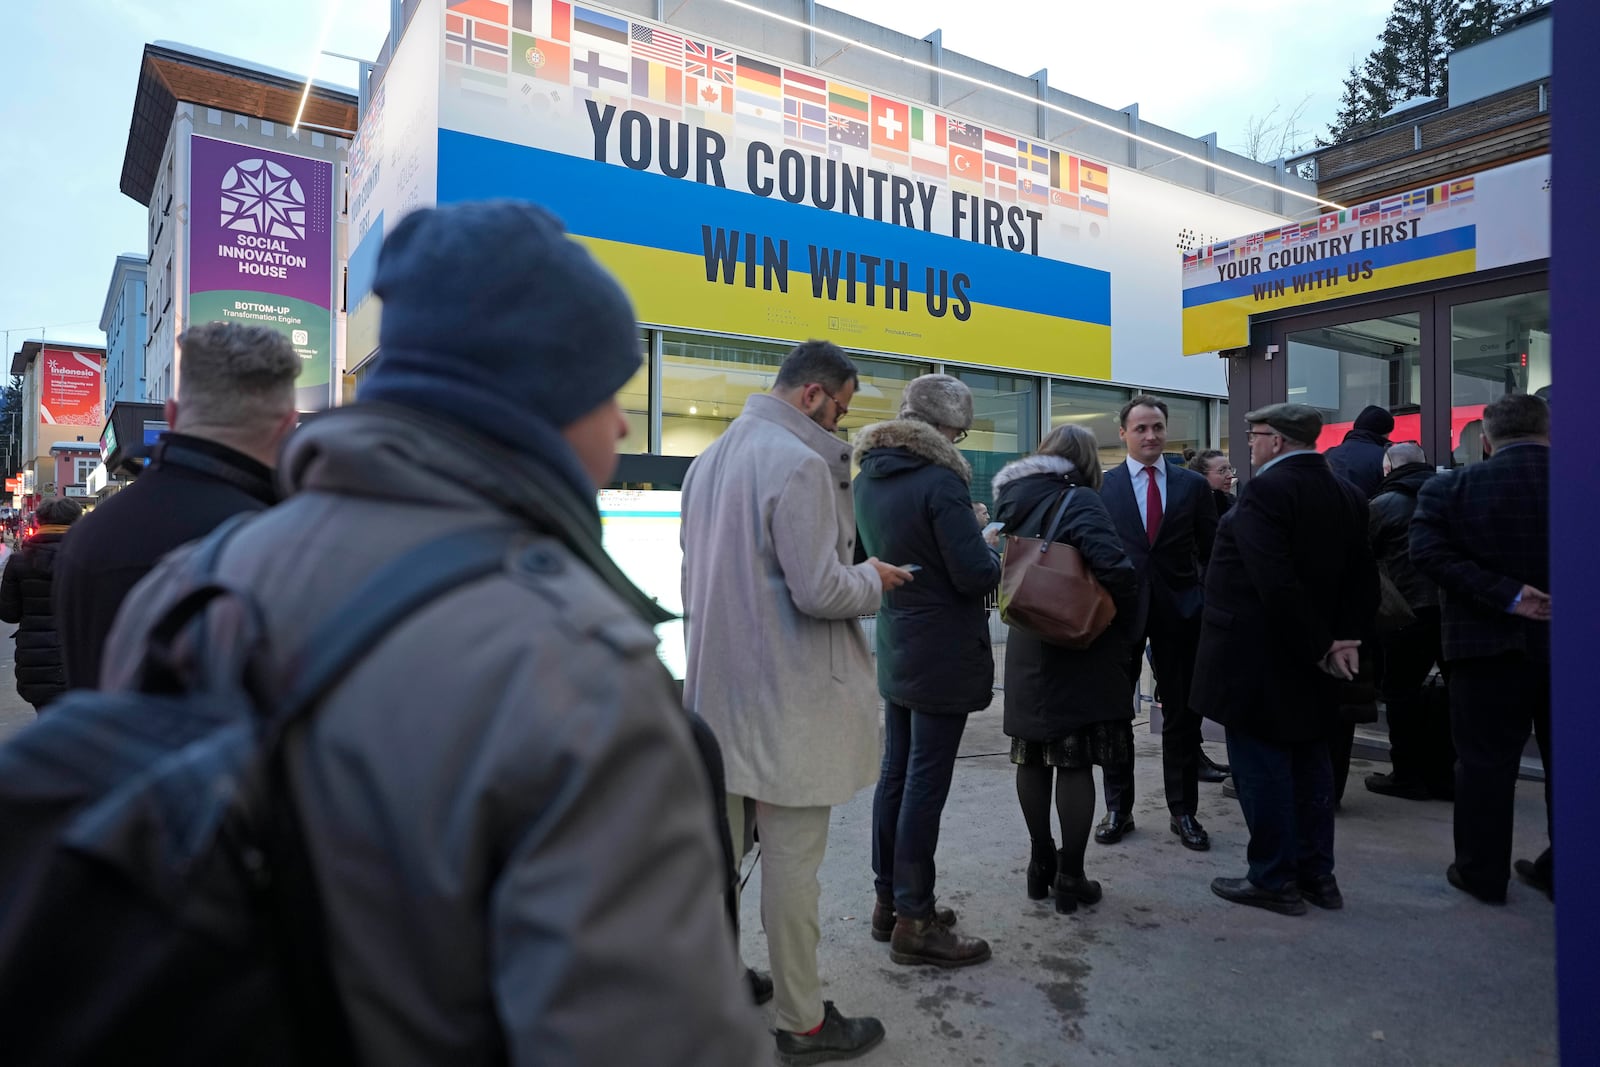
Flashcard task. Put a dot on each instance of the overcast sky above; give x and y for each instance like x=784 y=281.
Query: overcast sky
x=69 y=70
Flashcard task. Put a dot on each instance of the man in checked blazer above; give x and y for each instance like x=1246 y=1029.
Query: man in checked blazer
x=1167 y=519
x=1483 y=534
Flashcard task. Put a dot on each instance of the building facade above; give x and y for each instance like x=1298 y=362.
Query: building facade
x=1428 y=293
x=754 y=184
x=246 y=211
x=63 y=403
x=125 y=321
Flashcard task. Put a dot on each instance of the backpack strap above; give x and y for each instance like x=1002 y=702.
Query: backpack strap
x=318 y=1021
x=388 y=596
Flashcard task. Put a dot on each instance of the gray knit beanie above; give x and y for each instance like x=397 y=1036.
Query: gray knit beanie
x=938 y=399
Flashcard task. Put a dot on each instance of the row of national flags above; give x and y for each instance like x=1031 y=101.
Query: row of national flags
x=1407 y=205
x=506 y=49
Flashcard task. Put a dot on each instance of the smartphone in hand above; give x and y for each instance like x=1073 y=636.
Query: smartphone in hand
x=992 y=528
x=912 y=567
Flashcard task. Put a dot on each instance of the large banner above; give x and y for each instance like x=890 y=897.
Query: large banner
x=1493 y=219
x=733 y=193
x=261 y=249
x=71 y=388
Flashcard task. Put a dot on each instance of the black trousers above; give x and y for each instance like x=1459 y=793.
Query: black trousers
x=1420 y=748
x=1286 y=795
x=1494 y=702
x=1172 y=656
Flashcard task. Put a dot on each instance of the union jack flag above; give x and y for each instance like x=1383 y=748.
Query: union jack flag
x=708 y=61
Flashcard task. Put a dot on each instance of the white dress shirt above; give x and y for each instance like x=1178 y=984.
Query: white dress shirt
x=1141 y=486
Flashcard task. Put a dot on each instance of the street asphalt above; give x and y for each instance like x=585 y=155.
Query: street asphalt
x=1412 y=973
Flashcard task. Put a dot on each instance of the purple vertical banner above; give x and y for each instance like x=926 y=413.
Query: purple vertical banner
x=261 y=250
x=1574 y=578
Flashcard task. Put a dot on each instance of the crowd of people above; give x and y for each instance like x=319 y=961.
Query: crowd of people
x=514 y=760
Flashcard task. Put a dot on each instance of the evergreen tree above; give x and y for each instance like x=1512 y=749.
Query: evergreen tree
x=1412 y=57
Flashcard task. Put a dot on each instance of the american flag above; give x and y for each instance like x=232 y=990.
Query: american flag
x=708 y=62
x=652 y=43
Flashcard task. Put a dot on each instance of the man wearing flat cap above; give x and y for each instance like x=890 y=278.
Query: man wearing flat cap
x=1290 y=587
x=508 y=819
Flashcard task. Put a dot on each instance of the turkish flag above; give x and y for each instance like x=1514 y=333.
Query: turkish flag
x=891 y=124
x=966 y=163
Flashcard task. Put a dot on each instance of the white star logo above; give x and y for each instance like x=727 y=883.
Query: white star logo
x=259 y=196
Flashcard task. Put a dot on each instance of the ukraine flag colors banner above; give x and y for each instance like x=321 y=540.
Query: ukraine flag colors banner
x=1439 y=231
x=733 y=193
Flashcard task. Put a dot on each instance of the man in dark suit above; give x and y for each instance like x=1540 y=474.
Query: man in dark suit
x=1167 y=521
x=1290 y=586
x=1483 y=533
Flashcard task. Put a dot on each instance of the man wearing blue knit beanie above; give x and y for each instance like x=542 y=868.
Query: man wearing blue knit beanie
x=508 y=820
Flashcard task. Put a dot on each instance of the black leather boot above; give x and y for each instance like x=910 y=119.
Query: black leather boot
x=1041 y=870
x=1072 y=889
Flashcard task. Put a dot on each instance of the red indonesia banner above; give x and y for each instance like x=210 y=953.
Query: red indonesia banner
x=71 y=388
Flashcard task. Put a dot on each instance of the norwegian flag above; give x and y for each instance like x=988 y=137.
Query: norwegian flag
x=708 y=62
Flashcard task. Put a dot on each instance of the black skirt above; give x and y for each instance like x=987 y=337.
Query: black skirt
x=1110 y=744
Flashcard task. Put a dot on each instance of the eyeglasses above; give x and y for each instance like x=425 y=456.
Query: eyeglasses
x=961 y=435
x=1262 y=433
x=843 y=411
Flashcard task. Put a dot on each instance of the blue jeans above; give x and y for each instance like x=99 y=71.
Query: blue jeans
x=1286 y=794
x=919 y=759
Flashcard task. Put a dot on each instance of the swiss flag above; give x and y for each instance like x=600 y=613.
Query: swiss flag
x=1329 y=223
x=891 y=125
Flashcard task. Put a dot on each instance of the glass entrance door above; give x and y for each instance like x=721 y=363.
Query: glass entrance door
x=1343 y=367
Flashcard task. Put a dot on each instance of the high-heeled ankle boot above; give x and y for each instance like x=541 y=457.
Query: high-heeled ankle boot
x=1073 y=889
x=1041 y=870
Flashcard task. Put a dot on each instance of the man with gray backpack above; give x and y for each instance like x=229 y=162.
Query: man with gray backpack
x=446 y=808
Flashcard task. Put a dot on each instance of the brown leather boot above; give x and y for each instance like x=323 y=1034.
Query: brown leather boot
x=917 y=941
x=884 y=918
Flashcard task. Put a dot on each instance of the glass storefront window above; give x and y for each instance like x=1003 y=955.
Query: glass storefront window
x=1497 y=347
x=1341 y=369
x=704 y=384
x=877 y=398
x=705 y=381
x=1095 y=408
x=1005 y=424
x=1222 y=427
x=1187 y=424
x=635 y=400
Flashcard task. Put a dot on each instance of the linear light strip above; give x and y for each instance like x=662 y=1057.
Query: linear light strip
x=1033 y=100
x=311 y=72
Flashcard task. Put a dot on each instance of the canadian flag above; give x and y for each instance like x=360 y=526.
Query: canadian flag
x=707 y=95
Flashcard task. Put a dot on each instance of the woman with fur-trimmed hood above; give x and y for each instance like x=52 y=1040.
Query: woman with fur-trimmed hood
x=1066 y=709
x=914 y=506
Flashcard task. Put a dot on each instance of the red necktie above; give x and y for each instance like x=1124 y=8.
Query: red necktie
x=1152 y=505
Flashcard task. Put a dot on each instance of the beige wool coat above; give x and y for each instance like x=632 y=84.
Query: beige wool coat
x=777 y=661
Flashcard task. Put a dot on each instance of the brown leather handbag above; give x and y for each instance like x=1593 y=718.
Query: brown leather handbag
x=1047 y=589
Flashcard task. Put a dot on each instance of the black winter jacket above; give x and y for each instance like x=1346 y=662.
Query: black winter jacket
x=1391 y=509
x=25 y=598
x=189 y=488
x=914 y=505
x=1358 y=459
x=1052 y=692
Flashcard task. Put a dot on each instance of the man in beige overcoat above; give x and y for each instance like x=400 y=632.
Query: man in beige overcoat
x=777 y=663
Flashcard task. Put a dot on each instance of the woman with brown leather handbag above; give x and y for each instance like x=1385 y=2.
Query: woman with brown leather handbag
x=1066 y=709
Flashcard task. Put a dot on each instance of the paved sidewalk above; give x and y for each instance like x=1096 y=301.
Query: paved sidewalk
x=1163 y=973
x=1411 y=972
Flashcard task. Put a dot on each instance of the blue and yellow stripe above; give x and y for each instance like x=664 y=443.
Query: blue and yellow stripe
x=1217 y=315
x=1028 y=312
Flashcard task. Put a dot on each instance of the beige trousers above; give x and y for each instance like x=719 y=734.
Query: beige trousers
x=793 y=842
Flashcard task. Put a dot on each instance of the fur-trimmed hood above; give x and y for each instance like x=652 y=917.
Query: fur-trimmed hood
x=1031 y=465
x=916 y=437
